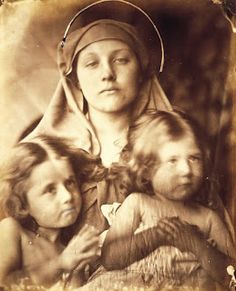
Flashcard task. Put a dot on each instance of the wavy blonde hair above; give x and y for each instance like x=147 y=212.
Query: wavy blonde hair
x=141 y=156
x=25 y=157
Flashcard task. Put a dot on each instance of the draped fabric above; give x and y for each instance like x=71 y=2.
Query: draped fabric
x=66 y=114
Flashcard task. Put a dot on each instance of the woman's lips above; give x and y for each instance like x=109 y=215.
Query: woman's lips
x=109 y=90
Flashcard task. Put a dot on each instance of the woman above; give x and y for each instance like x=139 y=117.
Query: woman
x=108 y=79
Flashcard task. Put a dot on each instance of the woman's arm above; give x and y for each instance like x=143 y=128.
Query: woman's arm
x=122 y=246
x=10 y=251
x=187 y=237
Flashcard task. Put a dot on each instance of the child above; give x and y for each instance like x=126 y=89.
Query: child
x=42 y=200
x=169 y=160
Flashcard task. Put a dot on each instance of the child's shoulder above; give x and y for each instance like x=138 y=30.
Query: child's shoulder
x=206 y=213
x=131 y=199
x=203 y=208
x=138 y=199
x=135 y=195
x=10 y=227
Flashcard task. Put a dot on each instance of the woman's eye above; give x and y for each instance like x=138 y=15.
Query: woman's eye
x=91 y=64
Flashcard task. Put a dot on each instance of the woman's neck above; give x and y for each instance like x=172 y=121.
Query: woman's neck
x=111 y=130
x=109 y=124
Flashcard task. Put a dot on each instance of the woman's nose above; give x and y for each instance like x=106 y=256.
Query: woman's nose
x=107 y=71
x=184 y=167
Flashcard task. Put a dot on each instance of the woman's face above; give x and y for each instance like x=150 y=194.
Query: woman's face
x=108 y=72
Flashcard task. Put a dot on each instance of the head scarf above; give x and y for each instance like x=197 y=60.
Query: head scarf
x=65 y=116
x=102 y=29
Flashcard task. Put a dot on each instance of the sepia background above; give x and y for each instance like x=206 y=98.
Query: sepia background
x=199 y=74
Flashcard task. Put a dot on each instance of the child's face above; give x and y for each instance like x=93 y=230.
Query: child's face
x=180 y=171
x=54 y=200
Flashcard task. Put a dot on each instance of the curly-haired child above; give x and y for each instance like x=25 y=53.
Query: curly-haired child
x=41 y=198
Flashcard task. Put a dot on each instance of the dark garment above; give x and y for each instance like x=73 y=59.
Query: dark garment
x=99 y=186
x=95 y=194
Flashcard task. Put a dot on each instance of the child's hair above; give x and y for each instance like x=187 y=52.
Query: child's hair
x=145 y=136
x=21 y=162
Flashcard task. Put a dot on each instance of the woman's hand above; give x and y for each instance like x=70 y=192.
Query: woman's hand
x=81 y=250
x=184 y=236
x=187 y=237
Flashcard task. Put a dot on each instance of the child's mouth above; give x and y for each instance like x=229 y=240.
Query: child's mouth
x=69 y=210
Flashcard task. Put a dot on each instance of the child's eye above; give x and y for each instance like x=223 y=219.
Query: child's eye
x=195 y=159
x=70 y=183
x=172 y=161
x=50 y=189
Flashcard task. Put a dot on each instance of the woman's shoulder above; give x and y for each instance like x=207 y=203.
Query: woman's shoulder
x=10 y=227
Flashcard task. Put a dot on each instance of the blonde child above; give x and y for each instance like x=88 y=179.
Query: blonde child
x=41 y=199
x=169 y=163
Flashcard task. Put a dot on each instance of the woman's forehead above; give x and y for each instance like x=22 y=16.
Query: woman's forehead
x=105 y=46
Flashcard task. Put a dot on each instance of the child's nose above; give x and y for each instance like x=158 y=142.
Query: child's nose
x=184 y=167
x=64 y=194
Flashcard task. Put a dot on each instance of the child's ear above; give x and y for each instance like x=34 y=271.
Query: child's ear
x=17 y=208
x=78 y=86
x=5 y=190
x=147 y=173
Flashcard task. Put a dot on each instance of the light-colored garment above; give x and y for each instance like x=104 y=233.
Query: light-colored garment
x=165 y=264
